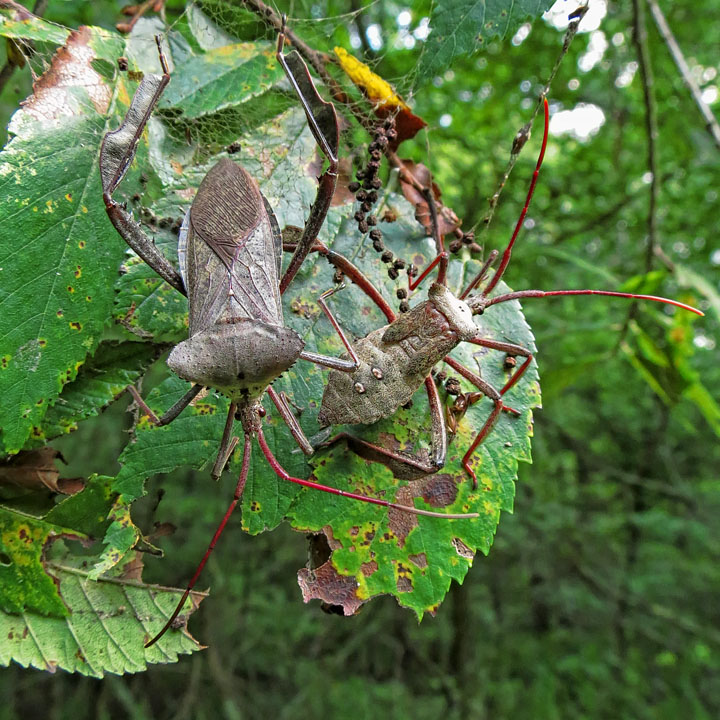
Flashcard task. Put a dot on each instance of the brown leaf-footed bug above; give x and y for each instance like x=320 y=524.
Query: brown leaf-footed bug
x=230 y=252
x=396 y=359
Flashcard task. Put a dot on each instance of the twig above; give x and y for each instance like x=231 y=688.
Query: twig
x=646 y=74
x=524 y=133
x=711 y=122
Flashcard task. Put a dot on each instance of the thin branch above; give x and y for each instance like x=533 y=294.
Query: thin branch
x=711 y=122
x=651 y=130
x=524 y=133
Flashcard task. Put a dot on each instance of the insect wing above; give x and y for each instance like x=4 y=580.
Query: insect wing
x=231 y=251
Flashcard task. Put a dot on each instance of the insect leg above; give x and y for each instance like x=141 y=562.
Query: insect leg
x=486 y=389
x=332 y=362
x=480 y=276
x=236 y=497
x=323 y=123
x=280 y=472
x=286 y=413
x=117 y=152
x=170 y=414
x=511 y=349
x=442 y=256
x=227 y=444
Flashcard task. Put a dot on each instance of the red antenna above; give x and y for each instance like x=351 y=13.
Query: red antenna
x=547 y=293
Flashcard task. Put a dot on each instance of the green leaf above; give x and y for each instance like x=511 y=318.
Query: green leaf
x=107 y=625
x=415 y=558
x=224 y=77
x=24 y=584
x=64 y=249
x=459 y=27
x=34 y=28
x=688 y=278
x=113 y=367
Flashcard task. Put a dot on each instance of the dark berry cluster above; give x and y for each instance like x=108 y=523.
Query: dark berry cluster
x=366 y=193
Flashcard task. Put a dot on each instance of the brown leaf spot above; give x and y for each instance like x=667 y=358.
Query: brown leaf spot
x=75 y=325
x=440 y=490
x=399 y=521
x=369 y=568
x=52 y=100
x=326 y=584
x=420 y=560
x=404 y=584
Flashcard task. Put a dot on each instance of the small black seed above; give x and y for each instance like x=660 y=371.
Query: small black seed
x=393 y=274
x=401 y=293
x=399 y=264
x=371 y=220
x=376 y=234
x=354 y=186
x=387 y=257
x=404 y=307
x=378 y=245
x=359 y=215
x=363 y=227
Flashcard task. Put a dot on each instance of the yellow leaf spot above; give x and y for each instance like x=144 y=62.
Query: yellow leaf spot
x=68 y=197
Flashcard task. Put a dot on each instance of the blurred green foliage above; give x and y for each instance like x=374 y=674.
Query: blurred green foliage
x=599 y=597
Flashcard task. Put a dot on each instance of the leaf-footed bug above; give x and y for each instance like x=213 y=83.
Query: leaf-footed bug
x=396 y=359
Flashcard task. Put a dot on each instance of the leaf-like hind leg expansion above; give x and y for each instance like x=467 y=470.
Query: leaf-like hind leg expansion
x=236 y=497
x=323 y=123
x=170 y=414
x=117 y=152
x=281 y=472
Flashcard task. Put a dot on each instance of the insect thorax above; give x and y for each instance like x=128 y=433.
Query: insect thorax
x=239 y=357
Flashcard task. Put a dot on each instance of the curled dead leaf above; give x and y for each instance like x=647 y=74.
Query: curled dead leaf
x=35 y=470
x=386 y=101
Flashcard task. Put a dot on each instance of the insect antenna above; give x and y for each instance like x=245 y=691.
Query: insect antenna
x=477 y=307
x=508 y=250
